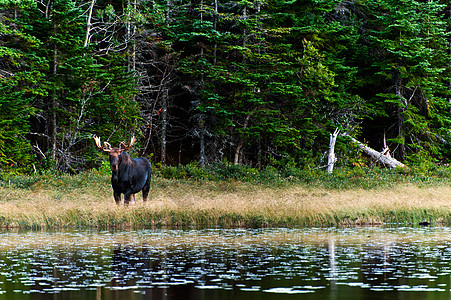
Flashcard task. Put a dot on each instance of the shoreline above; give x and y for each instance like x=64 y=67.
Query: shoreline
x=228 y=204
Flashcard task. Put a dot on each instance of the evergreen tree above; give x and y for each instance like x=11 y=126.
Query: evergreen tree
x=244 y=81
x=412 y=59
x=264 y=87
x=21 y=83
x=76 y=92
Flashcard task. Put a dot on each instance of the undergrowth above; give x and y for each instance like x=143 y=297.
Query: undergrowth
x=230 y=196
x=342 y=178
x=270 y=176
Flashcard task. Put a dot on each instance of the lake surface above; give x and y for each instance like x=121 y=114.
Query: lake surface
x=309 y=263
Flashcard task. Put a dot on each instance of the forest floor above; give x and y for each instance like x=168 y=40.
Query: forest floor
x=86 y=200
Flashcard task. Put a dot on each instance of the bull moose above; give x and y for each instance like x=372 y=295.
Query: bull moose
x=129 y=176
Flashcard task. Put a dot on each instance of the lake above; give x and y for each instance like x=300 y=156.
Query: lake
x=304 y=263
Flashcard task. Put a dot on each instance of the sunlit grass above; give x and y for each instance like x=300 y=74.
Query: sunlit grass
x=85 y=200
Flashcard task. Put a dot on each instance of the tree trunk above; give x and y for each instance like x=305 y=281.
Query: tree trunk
x=449 y=46
x=54 y=100
x=401 y=111
x=130 y=35
x=215 y=20
x=237 y=159
x=377 y=156
x=203 y=157
x=164 y=125
x=331 y=157
x=89 y=24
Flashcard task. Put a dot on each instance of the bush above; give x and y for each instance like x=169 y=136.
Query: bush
x=226 y=171
x=271 y=175
x=169 y=172
x=18 y=181
x=104 y=169
x=193 y=170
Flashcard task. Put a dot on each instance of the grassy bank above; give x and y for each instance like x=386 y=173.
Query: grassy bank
x=349 y=197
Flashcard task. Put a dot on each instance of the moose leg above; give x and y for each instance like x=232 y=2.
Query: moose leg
x=127 y=197
x=146 y=190
x=117 y=197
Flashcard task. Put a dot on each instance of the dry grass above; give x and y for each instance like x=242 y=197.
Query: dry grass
x=190 y=203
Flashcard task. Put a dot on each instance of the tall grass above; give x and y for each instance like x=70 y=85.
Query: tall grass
x=230 y=196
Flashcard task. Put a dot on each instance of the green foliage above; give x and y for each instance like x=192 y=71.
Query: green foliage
x=413 y=42
x=425 y=174
x=104 y=169
x=75 y=91
x=287 y=173
x=248 y=82
x=19 y=87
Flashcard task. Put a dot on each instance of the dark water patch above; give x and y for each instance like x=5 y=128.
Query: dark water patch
x=312 y=263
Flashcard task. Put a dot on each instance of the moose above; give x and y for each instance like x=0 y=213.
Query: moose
x=129 y=176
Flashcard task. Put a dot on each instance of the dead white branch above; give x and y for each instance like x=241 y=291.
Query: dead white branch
x=331 y=157
x=89 y=24
x=377 y=156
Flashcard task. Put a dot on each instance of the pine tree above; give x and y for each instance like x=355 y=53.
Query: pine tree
x=77 y=92
x=21 y=83
x=413 y=58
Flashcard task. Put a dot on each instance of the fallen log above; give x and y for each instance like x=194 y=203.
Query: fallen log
x=379 y=157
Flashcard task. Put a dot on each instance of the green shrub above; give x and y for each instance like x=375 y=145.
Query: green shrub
x=227 y=171
x=169 y=172
x=193 y=170
x=18 y=181
x=104 y=168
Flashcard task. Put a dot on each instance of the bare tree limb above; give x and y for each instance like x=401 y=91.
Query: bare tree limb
x=331 y=157
x=88 y=26
x=377 y=156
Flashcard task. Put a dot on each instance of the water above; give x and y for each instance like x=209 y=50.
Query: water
x=312 y=263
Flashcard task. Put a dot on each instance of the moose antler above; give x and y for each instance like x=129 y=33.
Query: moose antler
x=105 y=147
x=125 y=147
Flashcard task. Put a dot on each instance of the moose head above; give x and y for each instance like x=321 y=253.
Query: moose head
x=115 y=153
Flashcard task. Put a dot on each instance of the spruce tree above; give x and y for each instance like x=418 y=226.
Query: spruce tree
x=412 y=61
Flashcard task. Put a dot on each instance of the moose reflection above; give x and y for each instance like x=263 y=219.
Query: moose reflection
x=129 y=176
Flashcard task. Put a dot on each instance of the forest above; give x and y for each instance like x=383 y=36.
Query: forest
x=247 y=82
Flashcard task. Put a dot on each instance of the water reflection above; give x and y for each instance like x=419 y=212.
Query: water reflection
x=359 y=263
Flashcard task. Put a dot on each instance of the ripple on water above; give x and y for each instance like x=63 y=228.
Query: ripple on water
x=276 y=261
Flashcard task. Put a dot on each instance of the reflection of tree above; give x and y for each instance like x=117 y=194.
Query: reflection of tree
x=376 y=262
x=128 y=264
x=333 y=267
x=152 y=271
